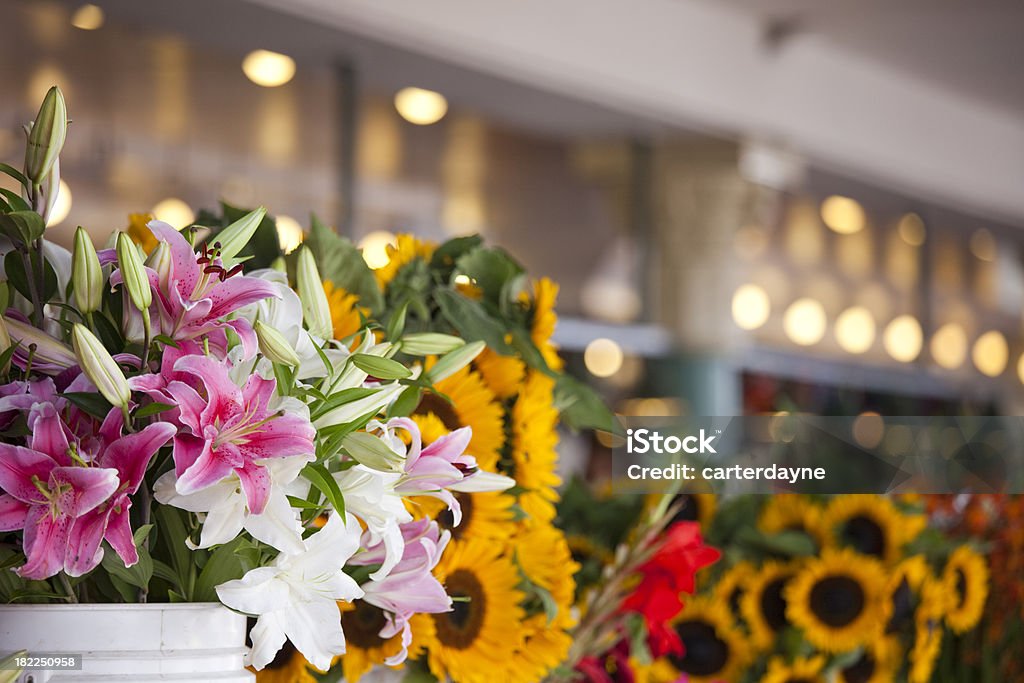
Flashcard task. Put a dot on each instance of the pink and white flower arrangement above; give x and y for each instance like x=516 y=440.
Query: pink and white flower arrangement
x=175 y=429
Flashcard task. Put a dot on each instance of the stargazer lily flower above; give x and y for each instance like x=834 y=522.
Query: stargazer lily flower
x=46 y=492
x=295 y=598
x=196 y=293
x=410 y=587
x=230 y=430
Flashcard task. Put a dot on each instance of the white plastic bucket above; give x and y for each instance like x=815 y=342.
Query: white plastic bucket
x=183 y=642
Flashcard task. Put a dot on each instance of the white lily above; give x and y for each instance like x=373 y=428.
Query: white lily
x=370 y=495
x=295 y=598
x=227 y=514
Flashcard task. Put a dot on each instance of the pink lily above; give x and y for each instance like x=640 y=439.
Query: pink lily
x=129 y=456
x=45 y=493
x=194 y=293
x=228 y=429
x=430 y=471
x=410 y=587
x=20 y=396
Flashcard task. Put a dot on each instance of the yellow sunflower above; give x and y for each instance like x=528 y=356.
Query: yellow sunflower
x=800 y=670
x=544 y=558
x=345 y=310
x=713 y=650
x=838 y=600
x=658 y=671
x=876 y=664
x=965 y=578
x=793 y=512
x=927 y=631
x=487 y=515
x=534 y=442
x=364 y=648
x=503 y=374
x=730 y=588
x=484 y=629
x=139 y=231
x=289 y=666
x=871 y=525
x=763 y=604
x=545 y=295
x=904 y=590
x=407 y=248
x=472 y=405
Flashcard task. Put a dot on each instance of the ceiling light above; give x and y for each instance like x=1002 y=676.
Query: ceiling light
x=419 y=106
x=750 y=307
x=289 y=233
x=805 y=322
x=87 y=18
x=855 y=329
x=62 y=205
x=603 y=357
x=375 y=248
x=903 y=338
x=990 y=353
x=842 y=214
x=949 y=346
x=269 y=69
x=174 y=212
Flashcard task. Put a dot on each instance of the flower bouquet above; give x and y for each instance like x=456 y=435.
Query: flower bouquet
x=178 y=430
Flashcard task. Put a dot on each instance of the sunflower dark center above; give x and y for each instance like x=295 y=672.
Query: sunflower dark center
x=773 y=604
x=865 y=535
x=902 y=608
x=459 y=628
x=446 y=519
x=445 y=412
x=283 y=657
x=705 y=654
x=689 y=509
x=362 y=625
x=860 y=671
x=837 y=601
x=961 y=587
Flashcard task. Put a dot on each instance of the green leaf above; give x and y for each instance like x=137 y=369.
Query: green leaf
x=318 y=475
x=108 y=333
x=302 y=504
x=223 y=565
x=381 y=368
x=262 y=247
x=406 y=402
x=446 y=255
x=396 y=323
x=471 y=320
x=14 y=173
x=339 y=261
x=166 y=341
x=172 y=536
x=153 y=409
x=581 y=406
x=162 y=570
x=90 y=402
x=490 y=269
x=236 y=236
x=22 y=227
x=15 y=200
x=138 y=575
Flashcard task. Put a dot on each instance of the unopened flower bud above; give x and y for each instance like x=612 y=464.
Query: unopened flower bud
x=5 y=343
x=133 y=273
x=430 y=343
x=315 y=309
x=86 y=274
x=274 y=346
x=46 y=136
x=233 y=238
x=453 y=361
x=159 y=260
x=48 y=351
x=100 y=367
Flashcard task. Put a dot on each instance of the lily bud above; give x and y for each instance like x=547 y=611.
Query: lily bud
x=46 y=136
x=274 y=346
x=100 y=367
x=133 y=272
x=430 y=343
x=279 y=264
x=453 y=361
x=160 y=261
x=49 y=353
x=315 y=309
x=371 y=452
x=46 y=198
x=86 y=274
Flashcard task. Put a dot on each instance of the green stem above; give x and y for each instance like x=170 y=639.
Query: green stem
x=68 y=588
x=34 y=293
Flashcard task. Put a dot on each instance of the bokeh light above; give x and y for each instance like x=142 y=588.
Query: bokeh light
x=603 y=357
x=419 y=106
x=855 y=329
x=87 y=18
x=289 y=233
x=990 y=353
x=61 y=207
x=174 y=211
x=949 y=346
x=750 y=307
x=911 y=229
x=269 y=69
x=804 y=322
x=843 y=215
x=903 y=338
x=375 y=248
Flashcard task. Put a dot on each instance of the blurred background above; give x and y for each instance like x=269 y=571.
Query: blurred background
x=751 y=207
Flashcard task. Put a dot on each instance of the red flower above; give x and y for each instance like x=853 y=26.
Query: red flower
x=664 y=578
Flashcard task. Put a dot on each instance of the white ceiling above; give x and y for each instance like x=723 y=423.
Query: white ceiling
x=973 y=48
